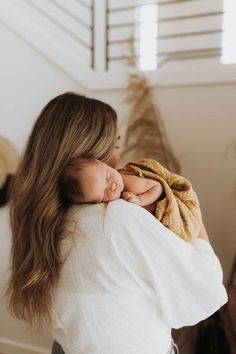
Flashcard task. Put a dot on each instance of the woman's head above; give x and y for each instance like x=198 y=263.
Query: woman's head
x=70 y=126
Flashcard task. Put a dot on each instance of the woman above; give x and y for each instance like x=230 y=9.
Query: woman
x=107 y=278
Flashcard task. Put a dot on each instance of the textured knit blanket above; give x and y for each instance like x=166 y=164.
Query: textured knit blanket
x=179 y=208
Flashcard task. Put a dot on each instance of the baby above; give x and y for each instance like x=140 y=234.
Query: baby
x=96 y=182
x=168 y=196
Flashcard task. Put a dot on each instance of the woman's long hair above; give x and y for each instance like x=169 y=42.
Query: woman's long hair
x=70 y=126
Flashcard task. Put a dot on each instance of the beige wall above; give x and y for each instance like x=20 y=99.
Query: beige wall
x=200 y=122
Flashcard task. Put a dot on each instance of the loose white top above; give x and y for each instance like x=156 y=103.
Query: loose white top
x=128 y=280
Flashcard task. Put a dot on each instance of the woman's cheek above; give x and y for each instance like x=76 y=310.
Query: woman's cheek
x=115 y=156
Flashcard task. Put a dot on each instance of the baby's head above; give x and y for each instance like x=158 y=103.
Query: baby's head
x=91 y=181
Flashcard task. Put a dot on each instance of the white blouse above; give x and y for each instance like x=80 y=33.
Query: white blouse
x=127 y=280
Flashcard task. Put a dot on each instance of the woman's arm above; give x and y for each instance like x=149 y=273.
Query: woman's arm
x=185 y=280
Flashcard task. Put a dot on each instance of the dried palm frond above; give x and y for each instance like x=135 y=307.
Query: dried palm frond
x=146 y=136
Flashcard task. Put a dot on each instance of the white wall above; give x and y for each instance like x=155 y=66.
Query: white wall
x=27 y=83
x=200 y=120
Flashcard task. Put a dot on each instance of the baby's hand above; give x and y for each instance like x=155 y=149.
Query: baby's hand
x=130 y=197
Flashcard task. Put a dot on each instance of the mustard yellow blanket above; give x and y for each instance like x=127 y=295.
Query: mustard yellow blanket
x=179 y=210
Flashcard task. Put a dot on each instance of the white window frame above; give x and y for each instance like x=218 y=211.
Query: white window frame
x=205 y=73
x=97 y=78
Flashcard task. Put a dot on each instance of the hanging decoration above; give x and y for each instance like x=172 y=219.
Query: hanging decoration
x=8 y=164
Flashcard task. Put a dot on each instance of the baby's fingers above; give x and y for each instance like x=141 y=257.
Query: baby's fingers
x=126 y=195
x=129 y=197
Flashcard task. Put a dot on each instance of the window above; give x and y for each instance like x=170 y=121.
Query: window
x=169 y=31
x=229 y=30
x=147 y=29
x=176 y=41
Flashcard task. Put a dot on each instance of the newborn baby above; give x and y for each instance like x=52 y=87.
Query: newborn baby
x=168 y=196
x=96 y=182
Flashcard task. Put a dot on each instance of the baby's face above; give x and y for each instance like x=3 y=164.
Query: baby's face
x=100 y=183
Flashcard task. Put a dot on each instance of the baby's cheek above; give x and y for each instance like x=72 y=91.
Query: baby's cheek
x=113 y=196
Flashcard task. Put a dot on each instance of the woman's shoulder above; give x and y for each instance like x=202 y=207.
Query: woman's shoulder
x=124 y=218
x=114 y=213
x=125 y=211
x=117 y=207
x=87 y=217
x=85 y=210
x=125 y=215
x=117 y=217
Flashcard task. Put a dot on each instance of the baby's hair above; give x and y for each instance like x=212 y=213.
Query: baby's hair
x=71 y=188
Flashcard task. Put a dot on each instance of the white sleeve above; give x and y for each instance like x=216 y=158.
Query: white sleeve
x=184 y=279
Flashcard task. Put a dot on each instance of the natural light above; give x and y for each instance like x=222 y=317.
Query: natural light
x=147 y=32
x=229 y=30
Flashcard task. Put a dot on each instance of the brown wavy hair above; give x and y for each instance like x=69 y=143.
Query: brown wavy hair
x=70 y=126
